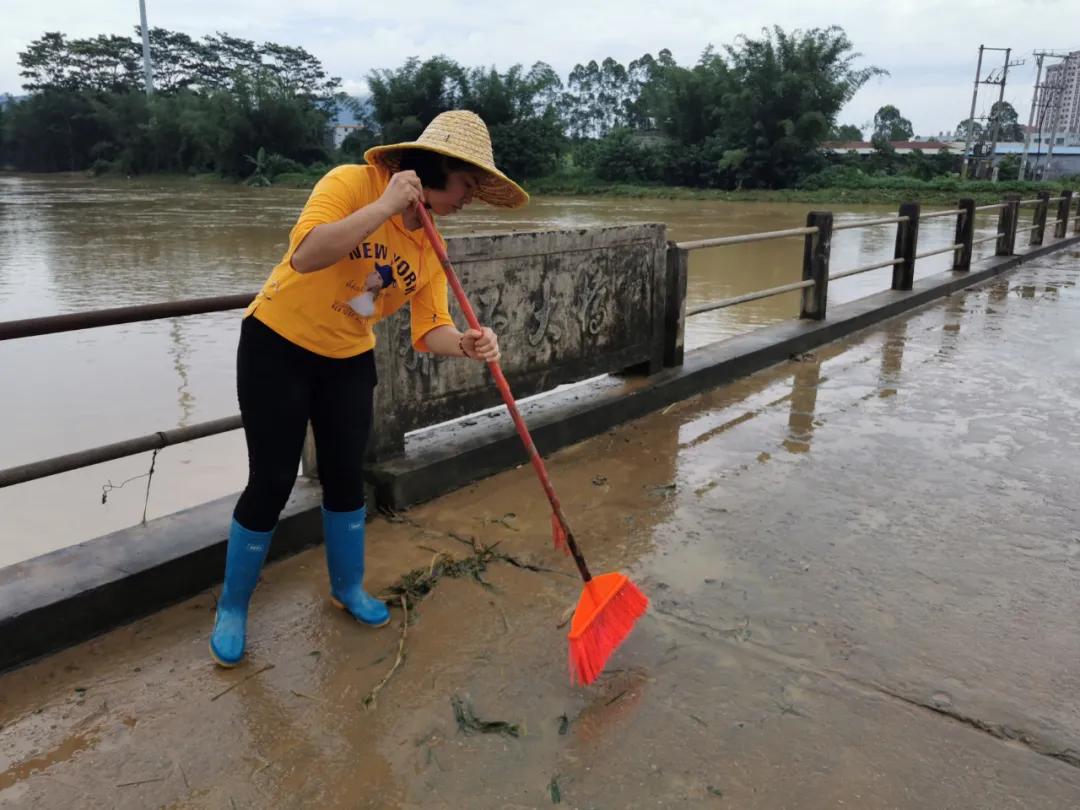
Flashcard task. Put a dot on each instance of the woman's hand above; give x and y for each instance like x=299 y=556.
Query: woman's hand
x=402 y=193
x=480 y=344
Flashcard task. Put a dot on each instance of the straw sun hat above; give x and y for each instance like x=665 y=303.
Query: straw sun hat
x=463 y=135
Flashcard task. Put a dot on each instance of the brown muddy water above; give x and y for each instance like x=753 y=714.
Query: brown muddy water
x=69 y=244
x=863 y=571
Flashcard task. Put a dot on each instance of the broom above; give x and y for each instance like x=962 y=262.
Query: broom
x=610 y=604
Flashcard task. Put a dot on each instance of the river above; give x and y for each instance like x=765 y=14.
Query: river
x=69 y=244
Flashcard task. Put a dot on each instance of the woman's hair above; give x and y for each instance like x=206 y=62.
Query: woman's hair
x=432 y=168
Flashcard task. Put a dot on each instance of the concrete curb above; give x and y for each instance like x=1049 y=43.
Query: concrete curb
x=73 y=594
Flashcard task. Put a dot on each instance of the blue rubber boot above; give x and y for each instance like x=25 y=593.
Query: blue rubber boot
x=243 y=562
x=344 y=534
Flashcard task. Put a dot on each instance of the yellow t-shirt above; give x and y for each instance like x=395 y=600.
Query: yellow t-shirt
x=312 y=309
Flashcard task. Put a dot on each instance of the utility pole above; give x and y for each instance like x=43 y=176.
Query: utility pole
x=1001 y=98
x=148 y=71
x=971 y=117
x=1031 y=116
x=974 y=98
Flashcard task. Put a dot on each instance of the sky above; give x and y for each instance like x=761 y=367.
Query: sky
x=930 y=48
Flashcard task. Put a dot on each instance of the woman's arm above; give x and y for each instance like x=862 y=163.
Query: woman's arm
x=480 y=345
x=329 y=242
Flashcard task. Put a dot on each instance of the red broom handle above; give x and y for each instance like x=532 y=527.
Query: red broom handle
x=504 y=389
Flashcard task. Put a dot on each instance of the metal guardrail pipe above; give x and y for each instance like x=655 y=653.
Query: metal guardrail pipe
x=994 y=207
x=866 y=268
x=929 y=253
x=754 y=296
x=866 y=223
x=720 y=241
x=1029 y=202
x=993 y=238
x=51 y=324
x=110 y=452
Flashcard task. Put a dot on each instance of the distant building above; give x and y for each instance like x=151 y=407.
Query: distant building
x=901 y=147
x=345 y=120
x=1061 y=87
x=1064 y=163
x=341 y=131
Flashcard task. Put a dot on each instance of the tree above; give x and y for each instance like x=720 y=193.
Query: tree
x=890 y=125
x=46 y=64
x=784 y=93
x=406 y=99
x=1004 y=115
x=217 y=101
x=177 y=59
x=970 y=128
x=846 y=132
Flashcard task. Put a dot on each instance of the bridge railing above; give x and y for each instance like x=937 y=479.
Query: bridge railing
x=816 y=274
x=817 y=237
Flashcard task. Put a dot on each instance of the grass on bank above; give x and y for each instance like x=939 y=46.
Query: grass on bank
x=850 y=189
x=865 y=190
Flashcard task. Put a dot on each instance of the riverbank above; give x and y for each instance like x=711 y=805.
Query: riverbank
x=874 y=191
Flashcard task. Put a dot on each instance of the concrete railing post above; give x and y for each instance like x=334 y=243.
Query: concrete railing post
x=1007 y=219
x=1064 y=207
x=1038 y=222
x=678 y=262
x=1076 y=220
x=816 y=249
x=965 y=234
x=907 y=241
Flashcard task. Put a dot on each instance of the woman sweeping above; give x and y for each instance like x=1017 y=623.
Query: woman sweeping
x=356 y=255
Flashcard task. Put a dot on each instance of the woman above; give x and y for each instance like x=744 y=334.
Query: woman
x=356 y=255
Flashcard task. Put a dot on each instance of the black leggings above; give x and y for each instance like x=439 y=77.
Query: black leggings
x=282 y=386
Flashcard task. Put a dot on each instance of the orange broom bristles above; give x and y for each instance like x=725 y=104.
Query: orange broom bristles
x=609 y=606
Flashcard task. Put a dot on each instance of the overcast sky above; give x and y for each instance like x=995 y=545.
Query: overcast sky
x=929 y=47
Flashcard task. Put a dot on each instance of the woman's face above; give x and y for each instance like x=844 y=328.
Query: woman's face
x=460 y=187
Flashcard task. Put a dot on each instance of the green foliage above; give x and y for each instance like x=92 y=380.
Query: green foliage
x=1009 y=168
x=971 y=129
x=751 y=115
x=216 y=102
x=620 y=157
x=356 y=143
x=113 y=64
x=758 y=112
x=520 y=107
x=846 y=132
x=852 y=178
x=1004 y=115
x=890 y=125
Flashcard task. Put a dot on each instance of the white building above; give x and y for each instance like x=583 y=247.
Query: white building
x=1061 y=86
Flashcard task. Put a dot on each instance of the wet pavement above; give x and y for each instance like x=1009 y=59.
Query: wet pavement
x=863 y=566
